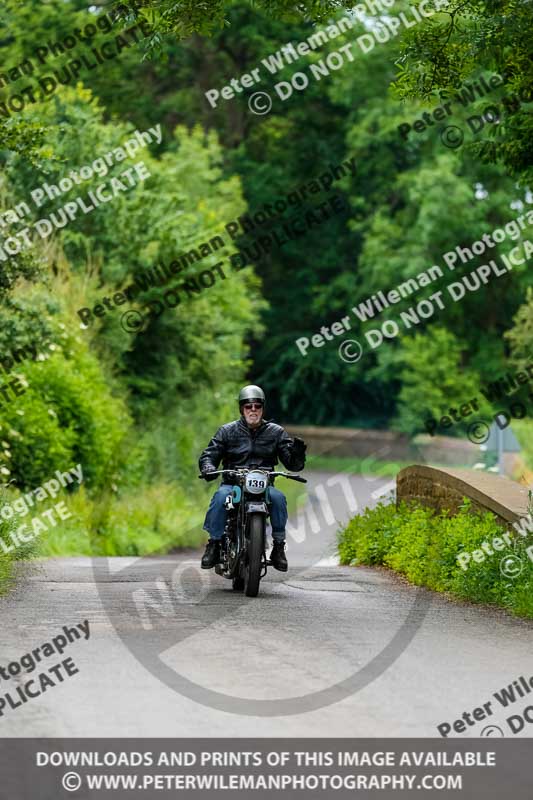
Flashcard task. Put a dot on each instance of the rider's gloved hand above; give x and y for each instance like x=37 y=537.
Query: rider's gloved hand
x=298 y=447
x=205 y=472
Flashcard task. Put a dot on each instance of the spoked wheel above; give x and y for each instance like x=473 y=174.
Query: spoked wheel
x=238 y=584
x=254 y=553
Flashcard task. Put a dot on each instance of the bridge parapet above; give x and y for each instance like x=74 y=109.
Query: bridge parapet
x=445 y=488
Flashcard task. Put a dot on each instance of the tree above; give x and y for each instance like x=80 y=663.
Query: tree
x=185 y=364
x=465 y=41
x=520 y=336
x=432 y=377
x=186 y=17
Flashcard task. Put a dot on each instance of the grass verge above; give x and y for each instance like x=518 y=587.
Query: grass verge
x=423 y=545
x=358 y=466
x=361 y=466
x=157 y=520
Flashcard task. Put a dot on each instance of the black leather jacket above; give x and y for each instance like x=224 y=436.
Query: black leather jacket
x=237 y=445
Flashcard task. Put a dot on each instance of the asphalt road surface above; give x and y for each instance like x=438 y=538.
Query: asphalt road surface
x=323 y=651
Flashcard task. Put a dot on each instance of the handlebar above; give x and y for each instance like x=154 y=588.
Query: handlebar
x=244 y=470
x=293 y=477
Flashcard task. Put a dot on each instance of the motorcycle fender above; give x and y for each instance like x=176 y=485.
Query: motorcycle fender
x=254 y=506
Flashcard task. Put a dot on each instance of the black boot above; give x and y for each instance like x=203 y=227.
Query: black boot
x=212 y=554
x=277 y=556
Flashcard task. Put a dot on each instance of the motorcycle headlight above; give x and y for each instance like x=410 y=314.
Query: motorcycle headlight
x=256 y=482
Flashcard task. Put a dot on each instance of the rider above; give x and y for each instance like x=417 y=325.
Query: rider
x=249 y=441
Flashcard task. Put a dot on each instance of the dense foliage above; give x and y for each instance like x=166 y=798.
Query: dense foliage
x=137 y=406
x=423 y=545
x=468 y=39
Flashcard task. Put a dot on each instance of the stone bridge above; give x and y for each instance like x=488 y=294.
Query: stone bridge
x=445 y=488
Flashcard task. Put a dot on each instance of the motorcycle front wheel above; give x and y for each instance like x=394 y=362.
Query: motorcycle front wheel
x=254 y=554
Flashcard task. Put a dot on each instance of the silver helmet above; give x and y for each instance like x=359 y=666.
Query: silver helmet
x=249 y=394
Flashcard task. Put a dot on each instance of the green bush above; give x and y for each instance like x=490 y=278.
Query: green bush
x=430 y=375
x=67 y=416
x=423 y=545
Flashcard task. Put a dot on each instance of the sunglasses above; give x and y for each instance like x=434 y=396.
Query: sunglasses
x=253 y=406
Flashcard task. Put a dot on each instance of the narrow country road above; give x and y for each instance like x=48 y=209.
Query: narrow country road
x=324 y=650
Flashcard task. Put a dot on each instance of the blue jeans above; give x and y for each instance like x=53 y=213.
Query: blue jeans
x=215 y=519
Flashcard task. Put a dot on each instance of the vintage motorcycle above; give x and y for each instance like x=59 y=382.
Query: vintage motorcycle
x=243 y=557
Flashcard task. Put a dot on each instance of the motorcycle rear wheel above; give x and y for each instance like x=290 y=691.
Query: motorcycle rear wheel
x=238 y=584
x=254 y=554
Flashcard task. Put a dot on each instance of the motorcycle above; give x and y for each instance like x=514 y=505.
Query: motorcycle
x=243 y=556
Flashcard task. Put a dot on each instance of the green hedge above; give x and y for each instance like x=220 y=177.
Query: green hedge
x=423 y=545
x=68 y=415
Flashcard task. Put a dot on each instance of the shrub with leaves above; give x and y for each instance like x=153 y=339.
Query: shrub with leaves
x=423 y=545
x=67 y=415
